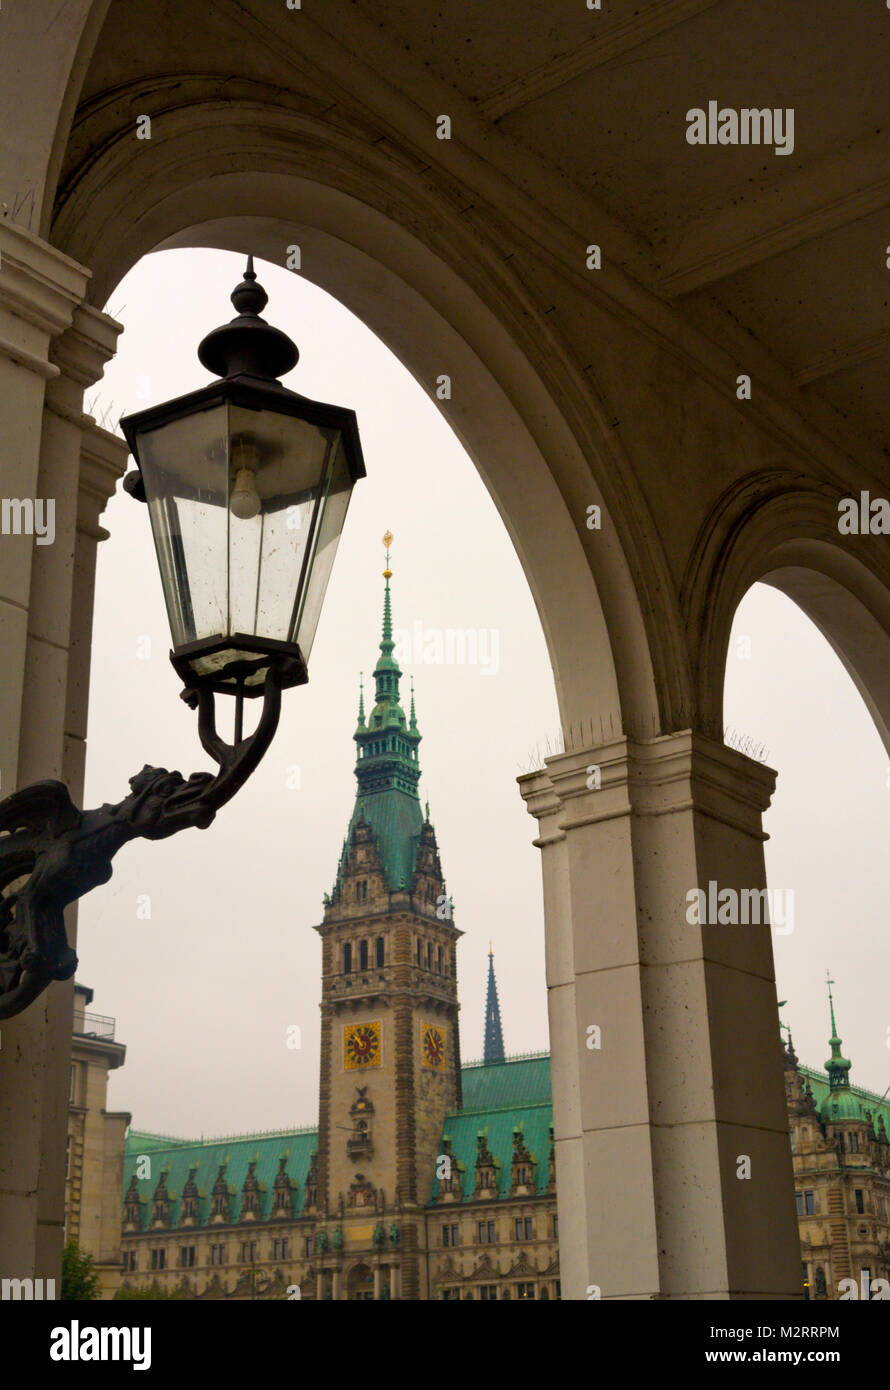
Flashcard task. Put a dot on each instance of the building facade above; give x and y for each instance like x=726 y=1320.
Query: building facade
x=841 y=1155
x=427 y=1177
x=94 y=1165
x=424 y=1177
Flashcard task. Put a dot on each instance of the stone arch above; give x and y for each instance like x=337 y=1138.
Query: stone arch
x=428 y=287
x=359 y=1280
x=771 y=529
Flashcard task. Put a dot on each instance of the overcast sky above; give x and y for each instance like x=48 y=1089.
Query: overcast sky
x=204 y=990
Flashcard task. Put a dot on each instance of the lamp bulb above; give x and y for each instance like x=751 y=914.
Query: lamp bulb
x=244 y=499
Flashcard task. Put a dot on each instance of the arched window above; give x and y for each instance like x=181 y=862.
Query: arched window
x=429 y=955
x=347 y=958
x=363 y=955
x=380 y=950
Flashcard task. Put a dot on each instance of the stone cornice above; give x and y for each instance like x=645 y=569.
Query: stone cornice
x=82 y=351
x=103 y=458
x=675 y=772
x=38 y=283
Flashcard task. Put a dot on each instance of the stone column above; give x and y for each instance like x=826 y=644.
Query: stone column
x=41 y=326
x=335 y=1284
x=393 y=1282
x=83 y=463
x=667 y=1073
x=377 y=1277
x=319 y=1285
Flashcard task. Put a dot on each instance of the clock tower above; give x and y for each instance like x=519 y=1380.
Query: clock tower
x=390 y=1049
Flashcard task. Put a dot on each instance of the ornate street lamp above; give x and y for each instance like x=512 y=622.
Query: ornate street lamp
x=247 y=486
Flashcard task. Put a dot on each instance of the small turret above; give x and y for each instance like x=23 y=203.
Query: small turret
x=840 y=1103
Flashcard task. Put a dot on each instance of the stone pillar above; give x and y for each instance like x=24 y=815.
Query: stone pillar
x=319 y=1285
x=83 y=463
x=335 y=1284
x=667 y=1078
x=41 y=326
x=393 y=1282
x=377 y=1275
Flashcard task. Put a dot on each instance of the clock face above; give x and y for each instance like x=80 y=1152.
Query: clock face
x=361 y=1045
x=432 y=1046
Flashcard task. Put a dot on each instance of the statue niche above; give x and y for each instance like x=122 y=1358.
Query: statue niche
x=360 y=1143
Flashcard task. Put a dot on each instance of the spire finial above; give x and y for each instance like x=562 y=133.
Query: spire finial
x=412 y=723
x=361 y=699
x=837 y=1066
x=386 y=646
x=493 y=1050
x=829 y=981
x=249 y=298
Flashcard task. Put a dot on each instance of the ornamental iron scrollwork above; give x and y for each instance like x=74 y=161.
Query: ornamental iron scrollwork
x=51 y=853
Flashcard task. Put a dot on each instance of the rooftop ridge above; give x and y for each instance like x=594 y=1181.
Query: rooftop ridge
x=512 y=1057
x=499 y=1109
x=177 y=1142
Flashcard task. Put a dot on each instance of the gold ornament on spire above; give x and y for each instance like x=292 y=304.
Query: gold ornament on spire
x=387 y=541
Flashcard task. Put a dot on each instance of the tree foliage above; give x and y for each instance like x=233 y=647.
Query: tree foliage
x=80 y=1281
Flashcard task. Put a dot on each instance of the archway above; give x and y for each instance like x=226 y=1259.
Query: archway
x=360 y=1284
x=410 y=262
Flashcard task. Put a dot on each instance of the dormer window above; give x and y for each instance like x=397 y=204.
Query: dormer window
x=219 y=1199
x=160 y=1205
x=131 y=1204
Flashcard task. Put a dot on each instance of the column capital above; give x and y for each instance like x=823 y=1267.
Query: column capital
x=542 y=802
x=686 y=769
x=38 y=284
x=83 y=349
x=660 y=776
x=103 y=459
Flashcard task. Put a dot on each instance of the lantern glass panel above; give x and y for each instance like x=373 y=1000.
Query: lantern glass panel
x=333 y=502
x=185 y=487
x=246 y=508
x=279 y=467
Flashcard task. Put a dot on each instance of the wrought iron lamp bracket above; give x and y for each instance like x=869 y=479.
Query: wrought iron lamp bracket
x=51 y=853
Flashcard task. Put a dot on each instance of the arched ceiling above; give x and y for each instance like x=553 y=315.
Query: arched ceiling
x=584 y=110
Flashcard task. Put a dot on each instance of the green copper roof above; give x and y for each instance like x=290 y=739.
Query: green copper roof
x=397 y=826
x=851 y=1102
x=178 y=1157
x=499 y=1098
x=514 y=1081
x=387 y=768
x=463 y=1128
